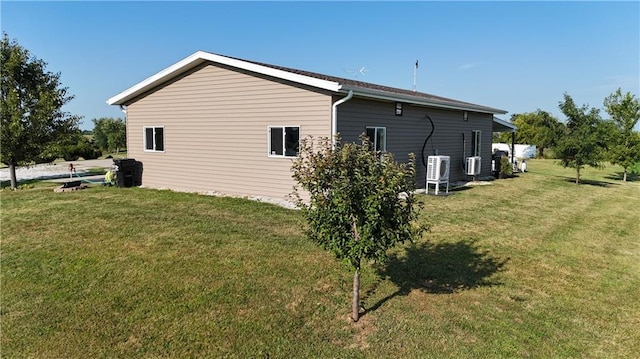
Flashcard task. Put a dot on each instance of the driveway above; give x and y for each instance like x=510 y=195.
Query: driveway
x=54 y=171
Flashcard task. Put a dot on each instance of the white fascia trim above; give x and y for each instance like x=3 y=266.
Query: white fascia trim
x=381 y=95
x=149 y=82
x=505 y=124
x=200 y=57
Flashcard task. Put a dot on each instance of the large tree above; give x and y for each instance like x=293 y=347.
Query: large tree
x=31 y=119
x=624 y=150
x=538 y=128
x=360 y=202
x=583 y=141
x=110 y=133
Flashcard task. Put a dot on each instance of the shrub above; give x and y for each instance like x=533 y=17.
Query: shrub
x=506 y=168
x=84 y=148
x=47 y=156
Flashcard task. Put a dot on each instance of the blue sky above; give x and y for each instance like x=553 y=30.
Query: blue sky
x=517 y=56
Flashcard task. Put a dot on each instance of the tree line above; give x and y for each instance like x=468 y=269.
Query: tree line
x=585 y=139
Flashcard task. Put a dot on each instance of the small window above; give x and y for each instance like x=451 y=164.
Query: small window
x=378 y=138
x=476 y=142
x=154 y=139
x=284 y=141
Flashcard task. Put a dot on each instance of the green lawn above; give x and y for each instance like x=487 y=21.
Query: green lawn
x=533 y=266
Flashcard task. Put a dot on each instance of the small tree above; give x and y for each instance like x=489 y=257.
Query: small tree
x=624 y=149
x=31 y=118
x=110 y=133
x=584 y=138
x=361 y=202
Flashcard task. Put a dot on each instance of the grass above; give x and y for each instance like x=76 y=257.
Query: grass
x=533 y=266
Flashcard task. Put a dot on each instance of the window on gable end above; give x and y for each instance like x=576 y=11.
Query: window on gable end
x=284 y=141
x=154 y=139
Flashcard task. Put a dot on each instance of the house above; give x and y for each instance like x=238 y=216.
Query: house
x=217 y=123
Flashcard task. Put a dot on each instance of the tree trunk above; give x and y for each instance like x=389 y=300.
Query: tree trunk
x=541 y=152
x=577 y=176
x=12 y=173
x=624 y=175
x=355 y=305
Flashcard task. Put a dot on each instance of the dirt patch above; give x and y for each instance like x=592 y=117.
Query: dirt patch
x=361 y=330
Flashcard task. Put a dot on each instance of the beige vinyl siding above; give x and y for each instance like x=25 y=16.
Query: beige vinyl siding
x=407 y=133
x=216 y=131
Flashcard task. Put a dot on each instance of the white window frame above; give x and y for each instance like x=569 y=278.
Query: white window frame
x=144 y=137
x=476 y=140
x=284 y=135
x=374 y=140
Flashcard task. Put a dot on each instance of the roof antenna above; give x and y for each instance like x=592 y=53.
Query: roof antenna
x=415 y=72
x=360 y=71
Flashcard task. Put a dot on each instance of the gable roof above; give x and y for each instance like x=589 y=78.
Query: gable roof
x=320 y=81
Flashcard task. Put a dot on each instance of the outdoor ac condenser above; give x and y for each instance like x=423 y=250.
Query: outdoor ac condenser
x=438 y=172
x=473 y=165
x=438 y=168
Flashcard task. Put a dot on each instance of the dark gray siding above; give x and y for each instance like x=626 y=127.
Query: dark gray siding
x=408 y=132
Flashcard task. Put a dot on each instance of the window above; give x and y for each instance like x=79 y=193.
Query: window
x=476 y=142
x=154 y=139
x=378 y=138
x=284 y=141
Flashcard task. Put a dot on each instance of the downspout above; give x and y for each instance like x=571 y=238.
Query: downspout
x=464 y=154
x=123 y=108
x=334 y=116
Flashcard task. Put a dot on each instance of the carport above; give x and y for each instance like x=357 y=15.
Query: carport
x=504 y=126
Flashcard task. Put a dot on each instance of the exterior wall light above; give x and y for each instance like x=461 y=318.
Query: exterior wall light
x=465 y=116
x=398 y=108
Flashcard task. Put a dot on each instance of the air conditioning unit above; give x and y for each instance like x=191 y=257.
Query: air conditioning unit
x=473 y=165
x=438 y=168
x=438 y=172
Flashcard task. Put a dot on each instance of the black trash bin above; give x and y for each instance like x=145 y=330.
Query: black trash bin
x=126 y=173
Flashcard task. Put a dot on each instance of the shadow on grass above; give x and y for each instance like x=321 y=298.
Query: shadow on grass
x=604 y=184
x=459 y=189
x=618 y=176
x=439 y=269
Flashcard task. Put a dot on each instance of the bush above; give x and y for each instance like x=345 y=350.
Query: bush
x=506 y=168
x=70 y=157
x=47 y=156
x=89 y=152
x=549 y=153
x=85 y=148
